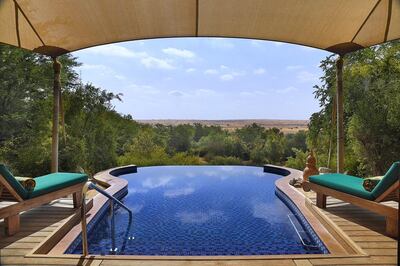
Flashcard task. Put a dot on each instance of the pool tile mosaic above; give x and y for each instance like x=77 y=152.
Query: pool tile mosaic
x=202 y=210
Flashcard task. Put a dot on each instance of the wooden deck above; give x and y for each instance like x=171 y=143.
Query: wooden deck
x=363 y=227
x=36 y=226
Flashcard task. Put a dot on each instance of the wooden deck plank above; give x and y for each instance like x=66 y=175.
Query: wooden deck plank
x=20 y=245
x=14 y=252
x=359 y=227
x=41 y=261
x=31 y=233
x=355 y=233
x=371 y=238
x=84 y=263
x=369 y=264
x=198 y=263
x=40 y=233
x=356 y=261
x=381 y=251
x=302 y=263
x=378 y=245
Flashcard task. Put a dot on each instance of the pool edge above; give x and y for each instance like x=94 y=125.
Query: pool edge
x=116 y=185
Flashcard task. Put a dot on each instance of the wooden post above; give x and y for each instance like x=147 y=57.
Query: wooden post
x=340 y=126
x=321 y=200
x=392 y=227
x=77 y=199
x=12 y=224
x=56 y=114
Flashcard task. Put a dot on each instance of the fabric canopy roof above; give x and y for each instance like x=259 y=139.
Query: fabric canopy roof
x=55 y=27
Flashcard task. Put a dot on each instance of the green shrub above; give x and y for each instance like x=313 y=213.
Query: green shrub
x=298 y=161
x=183 y=158
x=220 y=160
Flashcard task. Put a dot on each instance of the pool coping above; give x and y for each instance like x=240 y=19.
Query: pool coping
x=116 y=185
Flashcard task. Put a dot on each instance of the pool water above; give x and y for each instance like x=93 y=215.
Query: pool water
x=199 y=210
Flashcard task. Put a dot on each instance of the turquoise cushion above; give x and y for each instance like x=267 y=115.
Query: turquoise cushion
x=22 y=192
x=52 y=182
x=345 y=183
x=391 y=176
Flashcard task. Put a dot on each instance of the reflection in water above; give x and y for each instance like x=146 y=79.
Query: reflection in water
x=211 y=173
x=190 y=174
x=258 y=173
x=199 y=217
x=138 y=190
x=172 y=193
x=135 y=208
x=156 y=182
x=227 y=168
x=264 y=210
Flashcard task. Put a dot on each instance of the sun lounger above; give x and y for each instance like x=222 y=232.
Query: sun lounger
x=350 y=189
x=48 y=188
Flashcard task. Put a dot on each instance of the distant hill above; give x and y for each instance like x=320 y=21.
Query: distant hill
x=287 y=126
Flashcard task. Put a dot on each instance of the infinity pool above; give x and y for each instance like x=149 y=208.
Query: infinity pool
x=201 y=210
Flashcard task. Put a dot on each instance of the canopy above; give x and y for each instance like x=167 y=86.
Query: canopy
x=55 y=27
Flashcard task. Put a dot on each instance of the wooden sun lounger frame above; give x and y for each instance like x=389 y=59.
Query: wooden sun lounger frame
x=390 y=213
x=11 y=212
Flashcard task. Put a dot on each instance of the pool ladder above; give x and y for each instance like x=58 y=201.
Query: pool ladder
x=298 y=231
x=113 y=200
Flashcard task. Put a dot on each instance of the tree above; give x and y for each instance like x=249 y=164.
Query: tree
x=372 y=101
x=297 y=141
x=180 y=138
x=25 y=108
x=274 y=147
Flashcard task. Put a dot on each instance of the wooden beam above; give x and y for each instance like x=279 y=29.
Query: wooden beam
x=56 y=114
x=6 y=186
x=392 y=193
x=340 y=112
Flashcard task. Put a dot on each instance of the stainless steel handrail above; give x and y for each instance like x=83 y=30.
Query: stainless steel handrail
x=298 y=233
x=127 y=235
x=113 y=199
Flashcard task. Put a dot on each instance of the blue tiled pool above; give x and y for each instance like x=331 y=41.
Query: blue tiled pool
x=203 y=210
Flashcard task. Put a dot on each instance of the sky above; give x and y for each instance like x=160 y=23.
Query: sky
x=206 y=78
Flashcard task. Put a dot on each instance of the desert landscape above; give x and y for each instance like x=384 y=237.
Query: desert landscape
x=286 y=126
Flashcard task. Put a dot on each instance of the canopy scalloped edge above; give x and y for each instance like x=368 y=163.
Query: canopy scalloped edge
x=50 y=50
x=344 y=48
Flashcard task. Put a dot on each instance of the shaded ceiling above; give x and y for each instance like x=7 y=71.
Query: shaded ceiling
x=55 y=27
